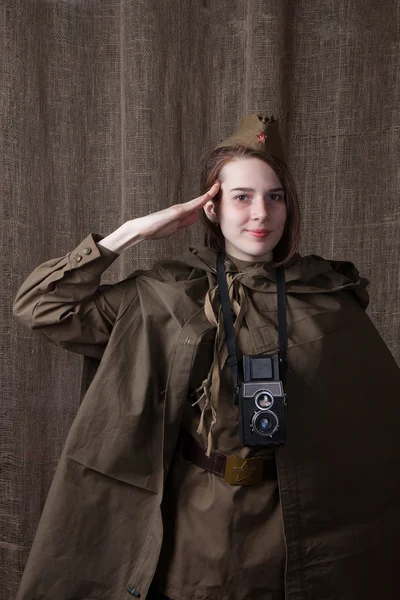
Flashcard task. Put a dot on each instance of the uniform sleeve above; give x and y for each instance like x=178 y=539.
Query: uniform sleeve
x=63 y=299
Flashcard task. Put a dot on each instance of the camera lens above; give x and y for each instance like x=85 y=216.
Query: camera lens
x=264 y=400
x=264 y=422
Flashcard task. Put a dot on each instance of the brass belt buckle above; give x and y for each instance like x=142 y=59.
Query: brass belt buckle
x=243 y=471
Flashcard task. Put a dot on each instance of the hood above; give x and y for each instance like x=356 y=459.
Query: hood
x=303 y=274
x=309 y=274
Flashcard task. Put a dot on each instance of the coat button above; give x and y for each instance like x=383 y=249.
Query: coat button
x=78 y=258
x=133 y=591
x=87 y=250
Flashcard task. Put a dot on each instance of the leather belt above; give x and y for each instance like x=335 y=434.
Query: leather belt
x=234 y=469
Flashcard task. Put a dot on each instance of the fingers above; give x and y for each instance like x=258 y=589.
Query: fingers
x=201 y=200
x=164 y=223
x=214 y=189
x=180 y=211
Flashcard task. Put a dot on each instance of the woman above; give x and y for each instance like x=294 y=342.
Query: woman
x=140 y=496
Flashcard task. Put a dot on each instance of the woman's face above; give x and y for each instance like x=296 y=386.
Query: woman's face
x=251 y=211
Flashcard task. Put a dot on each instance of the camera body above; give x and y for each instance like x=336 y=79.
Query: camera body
x=262 y=402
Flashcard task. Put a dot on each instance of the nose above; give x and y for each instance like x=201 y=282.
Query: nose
x=259 y=210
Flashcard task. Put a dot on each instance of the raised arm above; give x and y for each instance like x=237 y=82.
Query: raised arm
x=63 y=299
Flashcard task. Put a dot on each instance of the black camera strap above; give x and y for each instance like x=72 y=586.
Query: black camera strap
x=228 y=321
x=282 y=323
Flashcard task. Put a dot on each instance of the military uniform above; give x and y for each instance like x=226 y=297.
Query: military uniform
x=101 y=532
x=126 y=507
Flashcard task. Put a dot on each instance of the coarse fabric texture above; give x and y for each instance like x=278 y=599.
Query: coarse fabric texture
x=106 y=109
x=101 y=530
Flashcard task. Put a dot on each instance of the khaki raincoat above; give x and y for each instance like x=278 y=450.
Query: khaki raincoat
x=339 y=472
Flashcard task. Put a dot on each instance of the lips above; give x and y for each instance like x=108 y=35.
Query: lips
x=259 y=233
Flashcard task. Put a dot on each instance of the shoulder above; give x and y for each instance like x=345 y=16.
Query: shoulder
x=318 y=274
x=313 y=265
x=194 y=264
x=174 y=287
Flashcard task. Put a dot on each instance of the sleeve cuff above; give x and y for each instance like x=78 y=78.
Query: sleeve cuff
x=91 y=258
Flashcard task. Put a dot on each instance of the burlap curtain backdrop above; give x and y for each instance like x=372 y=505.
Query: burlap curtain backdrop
x=107 y=107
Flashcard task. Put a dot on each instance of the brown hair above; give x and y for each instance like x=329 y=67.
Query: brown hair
x=211 y=170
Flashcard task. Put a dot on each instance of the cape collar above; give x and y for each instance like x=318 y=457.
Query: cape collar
x=303 y=274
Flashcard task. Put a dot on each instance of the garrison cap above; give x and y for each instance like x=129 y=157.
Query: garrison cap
x=259 y=132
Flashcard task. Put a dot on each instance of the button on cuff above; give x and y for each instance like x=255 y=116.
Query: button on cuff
x=90 y=258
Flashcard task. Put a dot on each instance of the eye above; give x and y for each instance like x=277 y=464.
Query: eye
x=276 y=197
x=242 y=198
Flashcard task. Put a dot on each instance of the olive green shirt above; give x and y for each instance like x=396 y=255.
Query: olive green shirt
x=221 y=541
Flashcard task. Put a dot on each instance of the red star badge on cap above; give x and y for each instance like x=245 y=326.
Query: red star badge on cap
x=261 y=138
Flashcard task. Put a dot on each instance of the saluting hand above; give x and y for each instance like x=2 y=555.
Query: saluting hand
x=166 y=222
x=158 y=225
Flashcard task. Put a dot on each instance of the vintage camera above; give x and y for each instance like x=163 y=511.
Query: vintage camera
x=261 y=402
